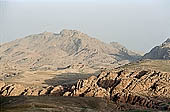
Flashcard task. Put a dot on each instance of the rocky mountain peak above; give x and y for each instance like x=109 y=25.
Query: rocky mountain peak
x=166 y=43
x=116 y=45
x=168 y=40
x=46 y=33
x=72 y=33
x=159 y=52
x=62 y=49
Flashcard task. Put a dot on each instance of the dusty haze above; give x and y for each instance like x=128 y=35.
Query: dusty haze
x=139 y=25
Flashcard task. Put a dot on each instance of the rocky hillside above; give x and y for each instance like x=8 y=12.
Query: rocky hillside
x=160 y=52
x=50 y=50
x=145 y=89
x=141 y=88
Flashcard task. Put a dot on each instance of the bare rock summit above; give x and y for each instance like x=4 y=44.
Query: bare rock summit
x=62 y=49
x=159 y=52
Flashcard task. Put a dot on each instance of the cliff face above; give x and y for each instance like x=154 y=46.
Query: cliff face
x=60 y=50
x=159 y=52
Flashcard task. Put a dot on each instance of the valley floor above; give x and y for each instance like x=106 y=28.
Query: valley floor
x=139 y=86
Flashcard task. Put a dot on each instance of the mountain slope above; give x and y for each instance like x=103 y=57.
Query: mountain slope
x=159 y=52
x=59 y=50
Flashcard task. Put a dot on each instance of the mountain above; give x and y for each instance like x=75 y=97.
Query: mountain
x=51 y=50
x=51 y=66
x=159 y=52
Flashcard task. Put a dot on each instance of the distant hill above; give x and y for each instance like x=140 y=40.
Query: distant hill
x=51 y=50
x=149 y=64
x=160 y=52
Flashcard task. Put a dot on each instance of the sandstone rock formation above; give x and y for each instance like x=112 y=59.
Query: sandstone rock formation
x=160 y=52
x=19 y=90
x=145 y=88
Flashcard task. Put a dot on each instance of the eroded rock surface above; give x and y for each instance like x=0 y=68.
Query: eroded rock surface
x=19 y=89
x=149 y=89
x=144 y=88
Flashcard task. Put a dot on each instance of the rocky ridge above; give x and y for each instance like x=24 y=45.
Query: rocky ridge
x=159 y=52
x=51 y=50
x=144 y=88
x=19 y=90
x=149 y=89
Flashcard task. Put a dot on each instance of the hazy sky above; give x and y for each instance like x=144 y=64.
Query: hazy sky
x=137 y=24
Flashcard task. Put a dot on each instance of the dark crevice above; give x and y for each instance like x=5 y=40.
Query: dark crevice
x=83 y=94
x=140 y=74
x=154 y=86
x=115 y=98
x=129 y=85
x=49 y=90
x=119 y=73
x=23 y=92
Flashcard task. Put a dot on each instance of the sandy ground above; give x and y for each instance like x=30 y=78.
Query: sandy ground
x=43 y=78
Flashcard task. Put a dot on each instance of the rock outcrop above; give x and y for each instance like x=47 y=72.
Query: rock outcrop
x=149 y=89
x=159 y=52
x=19 y=90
